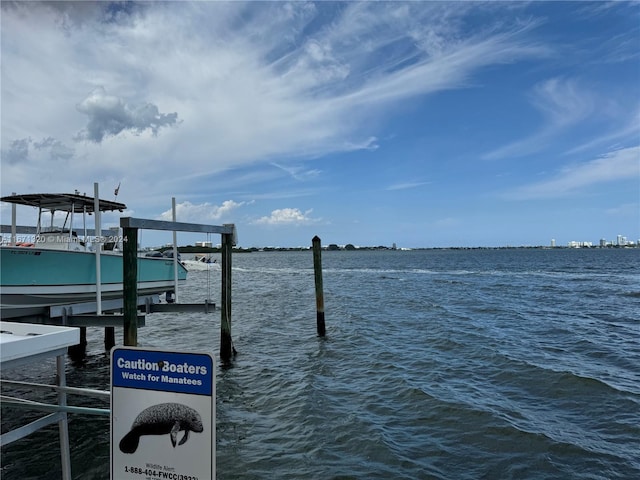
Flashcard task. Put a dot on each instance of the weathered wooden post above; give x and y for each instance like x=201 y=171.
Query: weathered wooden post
x=226 y=344
x=79 y=351
x=130 y=285
x=109 y=338
x=317 y=268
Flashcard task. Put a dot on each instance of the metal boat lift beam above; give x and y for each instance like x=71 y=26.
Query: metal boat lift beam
x=130 y=222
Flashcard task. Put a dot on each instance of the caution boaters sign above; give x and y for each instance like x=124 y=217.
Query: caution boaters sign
x=162 y=415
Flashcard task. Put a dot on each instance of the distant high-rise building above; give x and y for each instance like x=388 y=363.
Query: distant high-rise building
x=553 y=243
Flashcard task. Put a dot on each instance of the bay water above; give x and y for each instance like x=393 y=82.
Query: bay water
x=437 y=364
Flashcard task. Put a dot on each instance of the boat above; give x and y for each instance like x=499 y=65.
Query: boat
x=201 y=262
x=56 y=265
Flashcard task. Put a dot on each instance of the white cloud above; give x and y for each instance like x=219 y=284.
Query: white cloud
x=201 y=213
x=615 y=166
x=287 y=216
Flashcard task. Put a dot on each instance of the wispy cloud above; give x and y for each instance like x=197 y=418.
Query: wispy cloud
x=298 y=172
x=629 y=132
x=623 y=210
x=248 y=82
x=562 y=103
x=406 y=186
x=615 y=166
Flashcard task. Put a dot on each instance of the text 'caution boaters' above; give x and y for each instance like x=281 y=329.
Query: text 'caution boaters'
x=162 y=415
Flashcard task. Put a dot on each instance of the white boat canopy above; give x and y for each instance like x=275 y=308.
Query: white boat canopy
x=63 y=202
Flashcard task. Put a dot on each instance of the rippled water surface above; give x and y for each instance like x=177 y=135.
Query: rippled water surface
x=443 y=364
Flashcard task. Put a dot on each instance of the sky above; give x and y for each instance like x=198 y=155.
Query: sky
x=424 y=124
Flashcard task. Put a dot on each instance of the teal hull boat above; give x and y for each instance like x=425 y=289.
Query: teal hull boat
x=59 y=268
x=34 y=279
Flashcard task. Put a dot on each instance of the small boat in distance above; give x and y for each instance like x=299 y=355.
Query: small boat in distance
x=201 y=261
x=56 y=265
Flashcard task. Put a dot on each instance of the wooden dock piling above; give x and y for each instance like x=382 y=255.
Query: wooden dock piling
x=130 y=285
x=226 y=344
x=317 y=268
x=109 y=338
x=79 y=351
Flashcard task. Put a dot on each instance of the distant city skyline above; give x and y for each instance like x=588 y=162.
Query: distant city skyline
x=620 y=241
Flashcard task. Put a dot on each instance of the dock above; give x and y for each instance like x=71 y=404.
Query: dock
x=23 y=343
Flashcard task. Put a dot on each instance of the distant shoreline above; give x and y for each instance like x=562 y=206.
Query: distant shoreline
x=192 y=249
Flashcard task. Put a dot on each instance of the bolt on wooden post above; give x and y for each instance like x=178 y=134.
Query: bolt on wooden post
x=317 y=268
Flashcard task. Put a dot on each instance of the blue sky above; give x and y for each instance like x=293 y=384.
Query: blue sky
x=425 y=124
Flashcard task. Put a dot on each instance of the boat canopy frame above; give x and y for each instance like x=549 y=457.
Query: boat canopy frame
x=60 y=202
x=63 y=202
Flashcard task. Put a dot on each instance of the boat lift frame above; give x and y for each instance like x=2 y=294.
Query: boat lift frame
x=105 y=314
x=130 y=227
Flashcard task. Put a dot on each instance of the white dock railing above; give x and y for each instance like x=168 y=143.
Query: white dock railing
x=45 y=407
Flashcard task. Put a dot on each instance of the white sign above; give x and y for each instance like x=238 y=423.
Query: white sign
x=162 y=415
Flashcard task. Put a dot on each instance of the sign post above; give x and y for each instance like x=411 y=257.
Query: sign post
x=162 y=415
